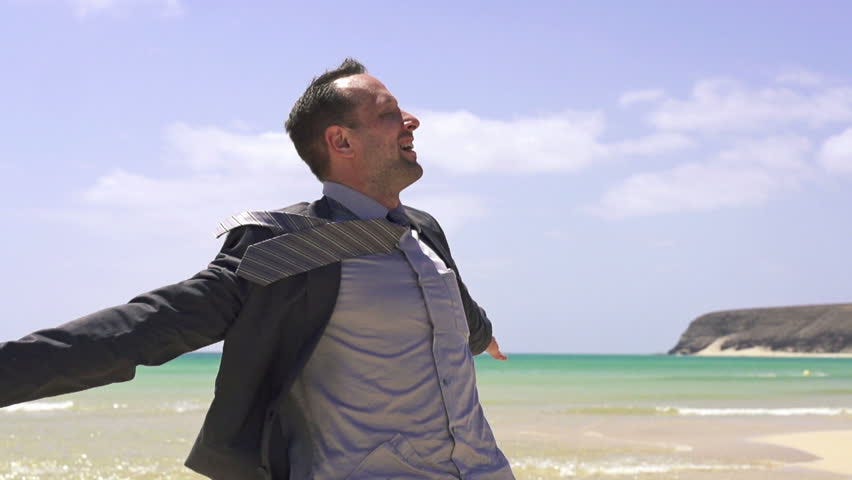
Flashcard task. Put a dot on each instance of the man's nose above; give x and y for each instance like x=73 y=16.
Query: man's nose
x=410 y=121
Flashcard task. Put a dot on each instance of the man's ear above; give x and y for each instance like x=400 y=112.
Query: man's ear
x=337 y=140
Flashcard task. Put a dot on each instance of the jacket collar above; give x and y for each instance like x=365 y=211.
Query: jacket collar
x=329 y=209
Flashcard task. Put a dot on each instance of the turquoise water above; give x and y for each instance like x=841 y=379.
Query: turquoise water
x=555 y=416
x=659 y=380
x=641 y=380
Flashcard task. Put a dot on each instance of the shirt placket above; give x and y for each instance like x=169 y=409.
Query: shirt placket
x=440 y=312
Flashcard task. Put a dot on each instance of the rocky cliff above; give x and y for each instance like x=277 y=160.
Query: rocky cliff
x=800 y=329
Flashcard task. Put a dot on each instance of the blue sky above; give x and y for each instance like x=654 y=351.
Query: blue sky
x=606 y=171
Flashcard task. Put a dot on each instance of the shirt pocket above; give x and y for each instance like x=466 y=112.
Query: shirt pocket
x=459 y=322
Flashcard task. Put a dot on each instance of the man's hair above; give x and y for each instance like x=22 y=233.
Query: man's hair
x=321 y=106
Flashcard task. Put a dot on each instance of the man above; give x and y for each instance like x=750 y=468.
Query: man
x=351 y=362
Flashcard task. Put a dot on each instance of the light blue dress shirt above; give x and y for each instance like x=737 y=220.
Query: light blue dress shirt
x=390 y=391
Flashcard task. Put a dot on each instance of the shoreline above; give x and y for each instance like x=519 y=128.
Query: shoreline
x=715 y=350
x=830 y=447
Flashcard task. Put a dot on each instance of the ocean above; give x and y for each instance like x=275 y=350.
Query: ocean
x=555 y=416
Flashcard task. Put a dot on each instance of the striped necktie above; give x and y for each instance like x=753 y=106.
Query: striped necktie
x=313 y=243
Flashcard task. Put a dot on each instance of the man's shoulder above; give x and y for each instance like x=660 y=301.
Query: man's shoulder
x=276 y=222
x=421 y=218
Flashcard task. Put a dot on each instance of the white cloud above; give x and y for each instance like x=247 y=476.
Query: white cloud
x=207 y=148
x=462 y=142
x=752 y=170
x=130 y=202
x=836 y=152
x=465 y=143
x=688 y=187
x=724 y=105
x=88 y=8
x=214 y=173
x=641 y=96
x=747 y=174
x=225 y=173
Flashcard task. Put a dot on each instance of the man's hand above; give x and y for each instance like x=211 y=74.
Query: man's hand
x=493 y=349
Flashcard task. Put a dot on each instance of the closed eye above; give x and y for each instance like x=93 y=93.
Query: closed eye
x=393 y=114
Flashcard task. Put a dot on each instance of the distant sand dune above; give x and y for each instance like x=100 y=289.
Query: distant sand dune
x=715 y=350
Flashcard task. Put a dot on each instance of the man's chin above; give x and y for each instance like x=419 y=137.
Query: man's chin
x=418 y=169
x=409 y=161
x=411 y=172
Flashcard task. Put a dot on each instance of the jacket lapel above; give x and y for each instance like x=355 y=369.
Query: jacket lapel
x=433 y=239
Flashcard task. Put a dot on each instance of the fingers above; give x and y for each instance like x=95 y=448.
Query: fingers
x=499 y=355
x=494 y=350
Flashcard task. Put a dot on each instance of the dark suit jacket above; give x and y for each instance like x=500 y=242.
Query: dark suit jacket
x=269 y=334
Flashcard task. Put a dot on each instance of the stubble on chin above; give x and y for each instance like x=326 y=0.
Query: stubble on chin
x=412 y=171
x=398 y=176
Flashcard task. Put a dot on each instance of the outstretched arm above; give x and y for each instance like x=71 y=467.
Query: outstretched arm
x=153 y=328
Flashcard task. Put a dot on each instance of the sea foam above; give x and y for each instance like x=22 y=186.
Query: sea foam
x=770 y=412
x=629 y=467
x=38 y=407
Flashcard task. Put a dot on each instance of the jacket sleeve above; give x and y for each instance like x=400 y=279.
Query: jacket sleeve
x=153 y=328
x=477 y=320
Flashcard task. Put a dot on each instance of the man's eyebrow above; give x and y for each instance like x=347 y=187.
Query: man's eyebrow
x=387 y=99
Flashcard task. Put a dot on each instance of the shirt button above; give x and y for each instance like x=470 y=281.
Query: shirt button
x=445 y=381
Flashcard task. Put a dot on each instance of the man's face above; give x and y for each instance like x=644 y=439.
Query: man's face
x=384 y=138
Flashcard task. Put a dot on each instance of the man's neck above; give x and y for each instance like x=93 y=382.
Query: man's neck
x=359 y=204
x=387 y=200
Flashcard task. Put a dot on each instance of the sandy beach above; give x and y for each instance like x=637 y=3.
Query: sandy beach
x=832 y=449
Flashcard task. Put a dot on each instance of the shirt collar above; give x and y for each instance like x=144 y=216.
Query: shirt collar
x=364 y=207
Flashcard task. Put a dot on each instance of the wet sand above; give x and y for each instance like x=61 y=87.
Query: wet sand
x=554 y=446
